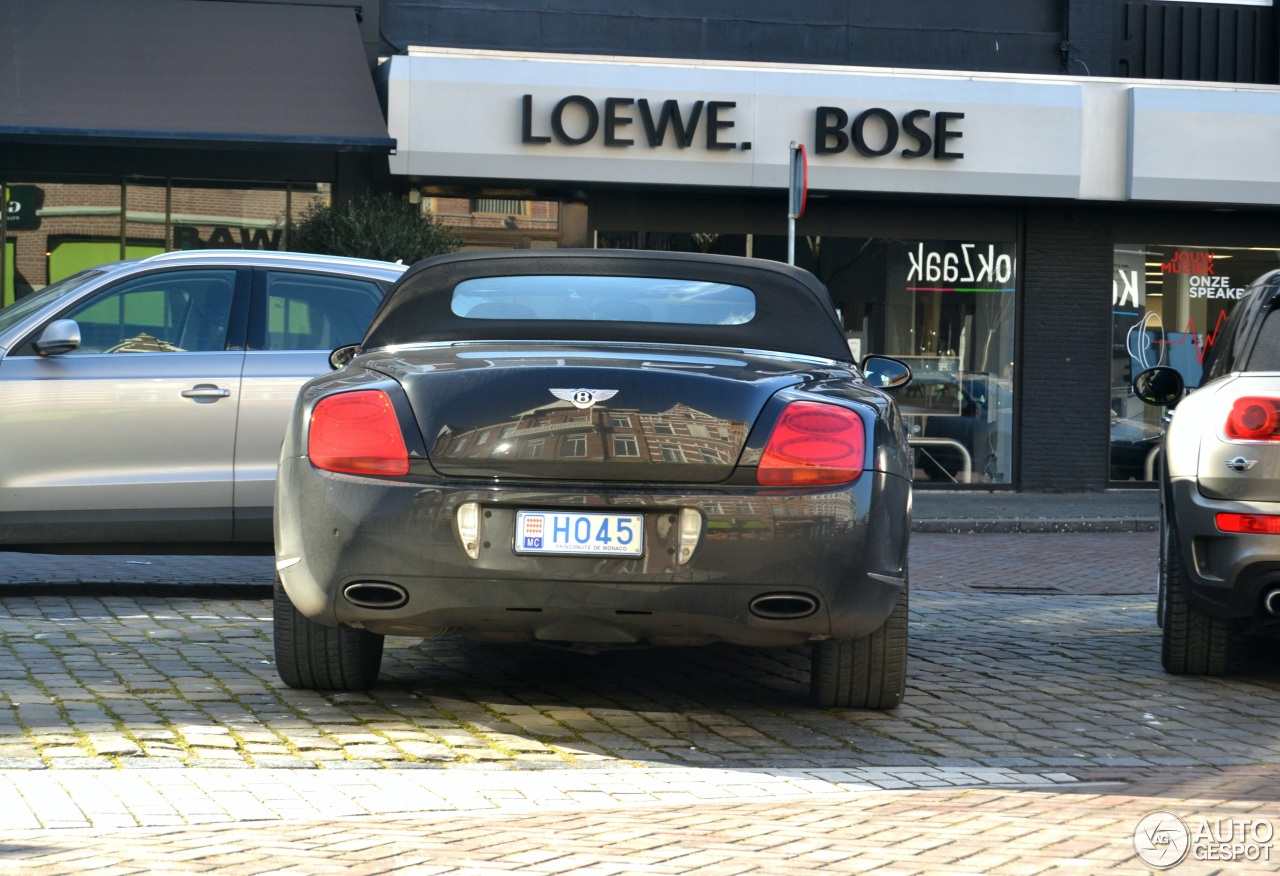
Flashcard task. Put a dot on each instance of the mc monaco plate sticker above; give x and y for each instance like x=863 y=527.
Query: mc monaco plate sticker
x=571 y=532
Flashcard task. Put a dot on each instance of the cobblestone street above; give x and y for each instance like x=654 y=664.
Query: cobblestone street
x=146 y=731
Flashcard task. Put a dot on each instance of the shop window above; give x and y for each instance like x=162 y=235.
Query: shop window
x=57 y=229
x=1170 y=306
x=7 y=295
x=946 y=306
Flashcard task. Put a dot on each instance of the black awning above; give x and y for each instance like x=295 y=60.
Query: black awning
x=186 y=73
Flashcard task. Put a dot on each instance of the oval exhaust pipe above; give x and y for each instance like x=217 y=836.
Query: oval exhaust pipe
x=1271 y=602
x=783 y=606
x=375 y=594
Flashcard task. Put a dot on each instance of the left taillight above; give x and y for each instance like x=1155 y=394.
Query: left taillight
x=813 y=444
x=357 y=433
x=1254 y=418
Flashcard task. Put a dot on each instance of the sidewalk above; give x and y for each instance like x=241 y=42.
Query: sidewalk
x=965 y=511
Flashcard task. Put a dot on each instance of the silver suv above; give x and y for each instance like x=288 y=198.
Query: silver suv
x=142 y=403
x=1220 y=490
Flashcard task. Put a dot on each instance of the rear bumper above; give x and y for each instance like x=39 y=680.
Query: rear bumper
x=844 y=549
x=1228 y=573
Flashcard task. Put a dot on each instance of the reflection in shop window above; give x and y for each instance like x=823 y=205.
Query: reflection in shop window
x=1170 y=304
x=56 y=229
x=947 y=306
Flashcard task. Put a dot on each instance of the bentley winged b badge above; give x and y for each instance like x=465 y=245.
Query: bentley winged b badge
x=584 y=398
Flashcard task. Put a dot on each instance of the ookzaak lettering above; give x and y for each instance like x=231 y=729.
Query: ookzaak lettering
x=970 y=265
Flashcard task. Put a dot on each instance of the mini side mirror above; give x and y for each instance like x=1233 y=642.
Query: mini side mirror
x=60 y=336
x=1160 y=387
x=883 y=372
x=339 y=358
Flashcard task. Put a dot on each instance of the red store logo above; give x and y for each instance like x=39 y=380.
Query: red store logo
x=1189 y=263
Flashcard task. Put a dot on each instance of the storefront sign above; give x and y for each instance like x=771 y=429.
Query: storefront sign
x=831 y=137
x=970 y=265
x=575 y=120
x=22 y=207
x=226 y=237
x=584 y=121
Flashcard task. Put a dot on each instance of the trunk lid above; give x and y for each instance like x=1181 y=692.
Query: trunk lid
x=648 y=414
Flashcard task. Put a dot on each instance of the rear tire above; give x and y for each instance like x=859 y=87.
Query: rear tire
x=865 y=673
x=312 y=656
x=1194 y=643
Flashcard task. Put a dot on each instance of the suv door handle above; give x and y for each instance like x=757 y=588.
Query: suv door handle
x=206 y=390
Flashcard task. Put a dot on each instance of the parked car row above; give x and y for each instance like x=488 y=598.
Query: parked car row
x=594 y=448
x=598 y=449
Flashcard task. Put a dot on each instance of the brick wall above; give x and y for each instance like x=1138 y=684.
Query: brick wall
x=1066 y=336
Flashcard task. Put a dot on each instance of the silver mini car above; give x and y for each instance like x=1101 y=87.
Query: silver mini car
x=142 y=403
x=1220 y=490
x=601 y=448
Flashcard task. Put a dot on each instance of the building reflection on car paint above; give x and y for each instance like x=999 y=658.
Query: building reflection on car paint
x=560 y=431
x=681 y=434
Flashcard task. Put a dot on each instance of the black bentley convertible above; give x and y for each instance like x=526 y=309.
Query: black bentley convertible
x=606 y=448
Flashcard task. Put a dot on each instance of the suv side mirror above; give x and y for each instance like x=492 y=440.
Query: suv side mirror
x=60 y=336
x=1160 y=387
x=883 y=372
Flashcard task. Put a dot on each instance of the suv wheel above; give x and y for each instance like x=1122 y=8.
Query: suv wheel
x=312 y=656
x=866 y=673
x=1194 y=643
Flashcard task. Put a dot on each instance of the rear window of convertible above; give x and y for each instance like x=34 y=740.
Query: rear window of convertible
x=604 y=299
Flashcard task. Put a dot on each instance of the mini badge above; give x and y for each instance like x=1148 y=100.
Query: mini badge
x=584 y=398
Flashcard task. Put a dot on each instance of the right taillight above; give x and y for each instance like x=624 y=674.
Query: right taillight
x=813 y=444
x=357 y=433
x=1254 y=418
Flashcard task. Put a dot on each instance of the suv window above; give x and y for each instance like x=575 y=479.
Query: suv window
x=1265 y=355
x=168 y=312
x=1233 y=341
x=316 y=311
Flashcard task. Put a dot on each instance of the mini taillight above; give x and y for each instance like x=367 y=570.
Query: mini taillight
x=813 y=444
x=357 y=433
x=1254 y=524
x=1254 y=418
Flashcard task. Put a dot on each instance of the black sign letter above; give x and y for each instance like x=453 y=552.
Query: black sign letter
x=557 y=120
x=941 y=135
x=612 y=121
x=670 y=114
x=526 y=123
x=829 y=121
x=714 y=124
x=890 y=128
x=920 y=134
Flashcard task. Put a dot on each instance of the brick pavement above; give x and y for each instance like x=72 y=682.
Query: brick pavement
x=155 y=711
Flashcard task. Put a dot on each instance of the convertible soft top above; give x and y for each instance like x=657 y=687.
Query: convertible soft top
x=792 y=312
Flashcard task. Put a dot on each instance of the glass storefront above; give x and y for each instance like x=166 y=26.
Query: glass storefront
x=55 y=229
x=1169 y=305
x=945 y=306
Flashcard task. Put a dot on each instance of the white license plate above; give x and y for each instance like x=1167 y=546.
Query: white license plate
x=555 y=532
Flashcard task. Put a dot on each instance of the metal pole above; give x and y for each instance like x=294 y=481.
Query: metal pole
x=791 y=240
